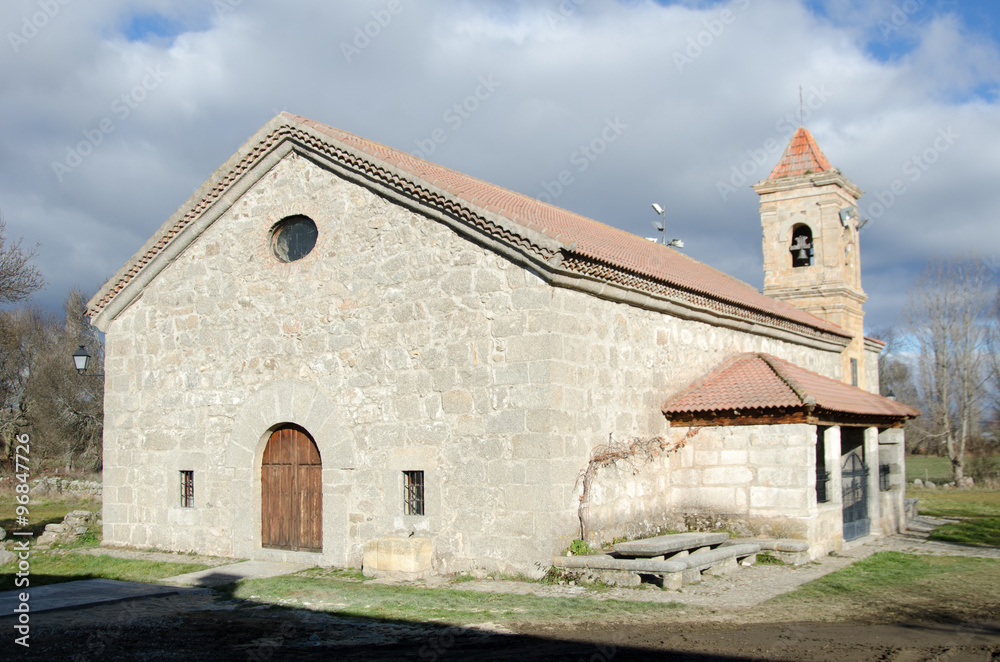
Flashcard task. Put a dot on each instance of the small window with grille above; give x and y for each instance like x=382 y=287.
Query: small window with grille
x=822 y=475
x=413 y=492
x=187 y=489
x=884 y=483
x=854 y=372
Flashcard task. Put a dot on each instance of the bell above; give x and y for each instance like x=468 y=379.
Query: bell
x=804 y=255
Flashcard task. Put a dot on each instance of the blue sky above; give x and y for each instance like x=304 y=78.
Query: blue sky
x=159 y=93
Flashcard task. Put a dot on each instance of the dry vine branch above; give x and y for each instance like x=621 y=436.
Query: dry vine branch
x=636 y=452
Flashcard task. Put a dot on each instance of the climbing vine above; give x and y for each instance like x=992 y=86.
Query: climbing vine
x=635 y=452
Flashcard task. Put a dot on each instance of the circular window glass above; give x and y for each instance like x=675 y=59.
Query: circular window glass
x=293 y=238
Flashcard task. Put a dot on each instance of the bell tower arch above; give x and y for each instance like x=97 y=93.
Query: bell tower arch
x=808 y=213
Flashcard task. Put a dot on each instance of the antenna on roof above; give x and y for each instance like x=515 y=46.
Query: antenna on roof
x=802 y=108
x=661 y=227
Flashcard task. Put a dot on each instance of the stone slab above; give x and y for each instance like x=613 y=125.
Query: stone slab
x=605 y=562
x=772 y=544
x=70 y=595
x=724 y=567
x=669 y=544
x=230 y=574
x=666 y=580
x=704 y=560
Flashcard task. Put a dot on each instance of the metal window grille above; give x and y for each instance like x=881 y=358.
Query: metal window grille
x=413 y=492
x=822 y=481
x=854 y=372
x=822 y=475
x=187 y=489
x=884 y=471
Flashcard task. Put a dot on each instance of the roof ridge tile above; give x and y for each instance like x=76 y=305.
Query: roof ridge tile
x=803 y=395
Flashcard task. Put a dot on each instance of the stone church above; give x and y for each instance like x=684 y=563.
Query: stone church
x=333 y=344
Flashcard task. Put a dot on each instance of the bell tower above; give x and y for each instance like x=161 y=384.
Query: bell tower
x=809 y=215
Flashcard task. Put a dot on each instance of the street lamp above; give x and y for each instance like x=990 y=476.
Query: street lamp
x=80 y=360
x=661 y=227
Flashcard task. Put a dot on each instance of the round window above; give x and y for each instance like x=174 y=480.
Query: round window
x=293 y=238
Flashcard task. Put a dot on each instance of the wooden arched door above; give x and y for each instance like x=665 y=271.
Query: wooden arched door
x=291 y=492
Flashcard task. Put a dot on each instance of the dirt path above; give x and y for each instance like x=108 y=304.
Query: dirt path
x=175 y=631
x=756 y=584
x=724 y=623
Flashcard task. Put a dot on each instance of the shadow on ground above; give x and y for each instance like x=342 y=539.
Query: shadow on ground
x=216 y=627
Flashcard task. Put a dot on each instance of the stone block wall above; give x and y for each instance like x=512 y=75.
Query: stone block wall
x=892 y=452
x=762 y=478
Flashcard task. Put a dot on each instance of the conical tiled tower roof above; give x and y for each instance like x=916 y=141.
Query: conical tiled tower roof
x=802 y=156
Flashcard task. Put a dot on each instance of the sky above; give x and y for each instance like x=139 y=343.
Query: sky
x=115 y=112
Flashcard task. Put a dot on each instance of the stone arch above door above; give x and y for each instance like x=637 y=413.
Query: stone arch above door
x=289 y=402
x=270 y=407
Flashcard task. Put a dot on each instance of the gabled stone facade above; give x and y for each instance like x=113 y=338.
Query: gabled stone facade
x=427 y=331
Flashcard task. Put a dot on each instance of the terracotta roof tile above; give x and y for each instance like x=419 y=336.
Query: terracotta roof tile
x=589 y=248
x=589 y=238
x=802 y=156
x=761 y=381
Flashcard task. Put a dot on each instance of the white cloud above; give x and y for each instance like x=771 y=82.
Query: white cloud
x=561 y=77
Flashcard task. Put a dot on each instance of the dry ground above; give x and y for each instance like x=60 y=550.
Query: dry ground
x=197 y=629
x=952 y=613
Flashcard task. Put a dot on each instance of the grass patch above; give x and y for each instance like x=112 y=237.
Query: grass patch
x=978 y=509
x=449 y=606
x=884 y=569
x=767 y=558
x=924 y=467
x=938 y=469
x=581 y=548
x=976 y=531
x=889 y=586
x=343 y=574
x=56 y=567
x=957 y=503
x=42 y=511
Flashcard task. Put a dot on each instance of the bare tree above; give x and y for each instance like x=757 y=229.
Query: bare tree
x=20 y=331
x=896 y=379
x=949 y=319
x=18 y=277
x=895 y=375
x=66 y=409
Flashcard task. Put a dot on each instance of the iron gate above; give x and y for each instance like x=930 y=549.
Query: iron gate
x=855 y=477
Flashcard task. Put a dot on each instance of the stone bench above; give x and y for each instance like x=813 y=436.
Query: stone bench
x=671 y=574
x=789 y=550
x=668 y=545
